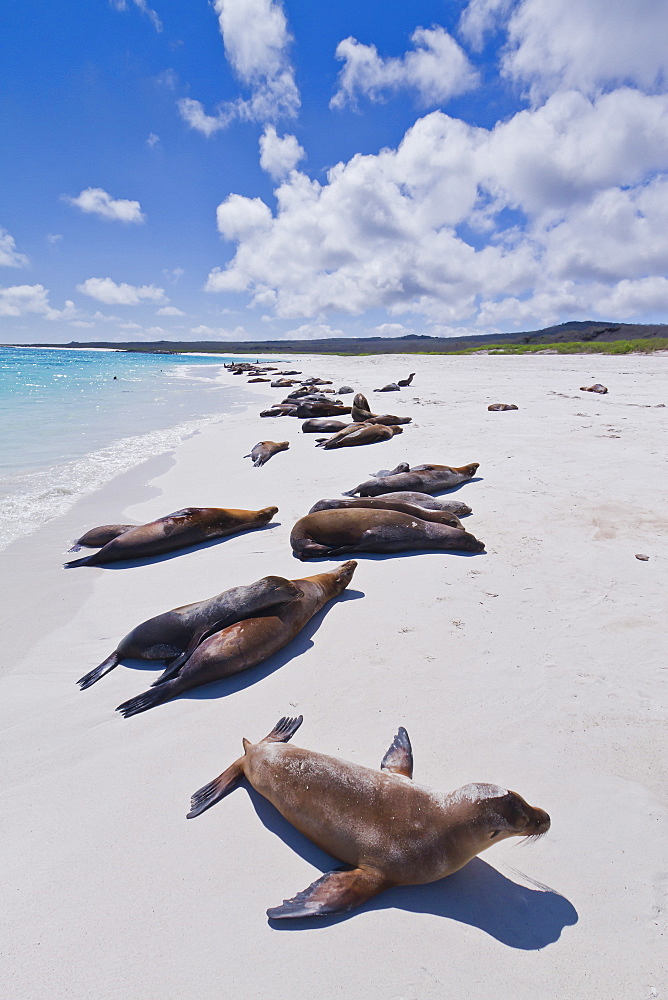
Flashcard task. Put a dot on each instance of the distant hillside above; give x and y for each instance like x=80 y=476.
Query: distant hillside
x=585 y=331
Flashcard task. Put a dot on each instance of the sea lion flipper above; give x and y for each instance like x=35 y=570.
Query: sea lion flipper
x=399 y=757
x=94 y=675
x=334 y=892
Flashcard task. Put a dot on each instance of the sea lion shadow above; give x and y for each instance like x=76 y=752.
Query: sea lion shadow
x=175 y=553
x=478 y=895
x=405 y=553
x=239 y=682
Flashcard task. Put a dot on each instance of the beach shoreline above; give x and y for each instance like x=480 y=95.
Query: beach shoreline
x=535 y=666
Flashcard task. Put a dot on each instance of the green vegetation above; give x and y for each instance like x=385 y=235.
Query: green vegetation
x=573 y=347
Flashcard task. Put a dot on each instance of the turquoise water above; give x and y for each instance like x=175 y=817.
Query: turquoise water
x=73 y=419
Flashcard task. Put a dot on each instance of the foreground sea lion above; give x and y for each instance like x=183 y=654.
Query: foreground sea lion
x=280 y=410
x=359 y=434
x=263 y=451
x=388 y=829
x=247 y=643
x=502 y=406
x=323 y=425
x=364 y=529
x=170 y=635
x=320 y=409
x=174 y=531
x=420 y=500
x=594 y=388
x=420 y=479
x=390 y=503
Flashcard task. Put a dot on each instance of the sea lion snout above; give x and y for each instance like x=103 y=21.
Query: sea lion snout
x=346 y=570
x=267 y=513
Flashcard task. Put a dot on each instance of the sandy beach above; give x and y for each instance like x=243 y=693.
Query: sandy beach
x=536 y=665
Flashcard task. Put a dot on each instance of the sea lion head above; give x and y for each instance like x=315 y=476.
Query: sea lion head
x=496 y=813
x=266 y=514
x=469 y=470
x=344 y=573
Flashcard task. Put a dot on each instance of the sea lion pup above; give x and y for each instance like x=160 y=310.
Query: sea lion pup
x=264 y=450
x=389 y=503
x=175 y=531
x=323 y=424
x=363 y=529
x=247 y=643
x=358 y=435
x=502 y=406
x=403 y=382
x=383 y=473
x=281 y=410
x=391 y=387
x=388 y=829
x=427 y=480
x=594 y=388
x=177 y=632
x=420 y=500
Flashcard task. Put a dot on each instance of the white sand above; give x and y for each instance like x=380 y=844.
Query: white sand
x=535 y=666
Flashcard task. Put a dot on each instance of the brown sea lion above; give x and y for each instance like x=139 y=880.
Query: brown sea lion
x=283 y=383
x=420 y=500
x=594 y=388
x=258 y=379
x=502 y=406
x=360 y=434
x=282 y=410
x=403 y=382
x=388 y=829
x=316 y=381
x=174 y=531
x=361 y=410
x=323 y=424
x=419 y=480
x=390 y=503
x=247 y=643
x=264 y=450
x=179 y=631
x=389 y=419
x=392 y=387
x=363 y=529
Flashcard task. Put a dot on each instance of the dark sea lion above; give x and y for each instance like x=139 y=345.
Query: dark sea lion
x=247 y=643
x=363 y=529
x=420 y=500
x=345 y=390
x=316 y=381
x=290 y=373
x=388 y=419
x=280 y=411
x=428 y=480
x=594 y=388
x=389 y=830
x=359 y=434
x=306 y=410
x=322 y=424
x=502 y=406
x=360 y=409
x=179 y=631
x=384 y=473
x=312 y=397
x=392 y=387
x=97 y=537
x=403 y=382
x=175 y=531
x=264 y=450
x=390 y=503
x=283 y=383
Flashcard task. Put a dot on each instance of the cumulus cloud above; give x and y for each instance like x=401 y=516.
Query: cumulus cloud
x=436 y=68
x=169 y=311
x=107 y=291
x=313 y=331
x=218 y=332
x=21 y=300
x=9 y=255
x=257 y=43
x=143 y=7
x=567 y=200
x=96 y=201
x=278 y=156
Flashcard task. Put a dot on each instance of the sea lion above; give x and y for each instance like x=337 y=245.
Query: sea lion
x=419 y=480
x=360 y=409
x=383 y=473
x=316 y=381
x=247 y=643
x=323 y=424
x=345 y=390
x=258 y=379
x=420 y=500
x=174 y=531
x=306 y=410
x=363 y=529
x=403 y=382
x=312 y=397
x=390 y=503
x=290 y=373
x=358 y=435
x=502 y=406
x=282 y=410
x=389 y=419
x=391 y=387
x=283 y=383
x=594 y=388
x=179 y=631
x=264 y=450
x=388 y=829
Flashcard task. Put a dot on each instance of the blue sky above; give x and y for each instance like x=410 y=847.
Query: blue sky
x=249 y=169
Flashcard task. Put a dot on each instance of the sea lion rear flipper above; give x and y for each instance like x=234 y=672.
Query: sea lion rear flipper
x=334 y=892
x=399 y=757
x=94 y=675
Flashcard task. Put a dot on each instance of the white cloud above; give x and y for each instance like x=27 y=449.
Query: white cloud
x=20 y=300
x=143 y=7
x=481 y=17
x=218 y=332
x=153 y=140
x=566 y=200
x=96 y=201
x=279 y=156
x=436 y=68
x=107 y=291
x=312 y=331
x=169 y=311
x=9 y=255
x=53 y=238
x=257 y=42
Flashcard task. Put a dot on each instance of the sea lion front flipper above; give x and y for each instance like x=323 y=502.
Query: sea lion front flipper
x=399 y=757
x=334 y=892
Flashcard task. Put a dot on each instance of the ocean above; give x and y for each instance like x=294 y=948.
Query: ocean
x=74 y=419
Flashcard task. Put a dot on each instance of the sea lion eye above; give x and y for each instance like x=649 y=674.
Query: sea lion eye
x=495 y=834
